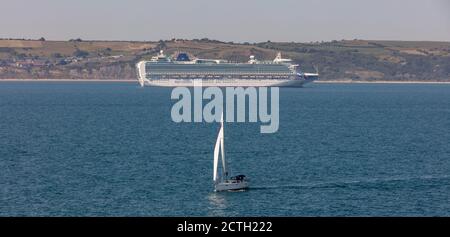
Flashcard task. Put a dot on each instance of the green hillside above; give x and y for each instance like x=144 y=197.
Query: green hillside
x=336 y=60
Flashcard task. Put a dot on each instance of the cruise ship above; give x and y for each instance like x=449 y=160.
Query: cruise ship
x=165 y=71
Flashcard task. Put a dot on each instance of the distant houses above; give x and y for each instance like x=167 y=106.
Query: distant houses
x=48 y=62
x=72 y=59
x=32 y=63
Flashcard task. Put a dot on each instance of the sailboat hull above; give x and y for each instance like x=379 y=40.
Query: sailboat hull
x=229 y=186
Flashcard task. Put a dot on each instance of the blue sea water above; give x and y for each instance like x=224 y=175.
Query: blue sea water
x=111 y=149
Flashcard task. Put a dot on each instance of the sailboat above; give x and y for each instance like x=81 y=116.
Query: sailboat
x=221 y=181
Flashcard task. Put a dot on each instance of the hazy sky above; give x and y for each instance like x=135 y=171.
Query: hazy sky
x=230 y=20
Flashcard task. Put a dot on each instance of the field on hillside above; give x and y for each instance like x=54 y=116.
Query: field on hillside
x=346 y=59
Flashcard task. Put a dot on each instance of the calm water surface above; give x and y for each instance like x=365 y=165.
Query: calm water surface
x=111 y=149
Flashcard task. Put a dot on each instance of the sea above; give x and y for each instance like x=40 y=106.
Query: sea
x=112 y=149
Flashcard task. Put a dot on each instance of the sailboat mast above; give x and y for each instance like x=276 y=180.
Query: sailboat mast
x=225 y=173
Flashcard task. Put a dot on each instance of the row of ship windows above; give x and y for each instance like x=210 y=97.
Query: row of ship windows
x=223 y=70
x=219 y=69
x=218 y=77
x=221 y=74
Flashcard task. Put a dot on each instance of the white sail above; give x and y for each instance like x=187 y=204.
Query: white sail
x=219 y=145
x=216 y=155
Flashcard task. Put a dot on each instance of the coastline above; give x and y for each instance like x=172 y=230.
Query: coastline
x=381 y=82
x=319 y=81
x=69 y=80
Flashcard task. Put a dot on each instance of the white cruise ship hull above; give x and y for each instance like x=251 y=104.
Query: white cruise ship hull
x=224 y=83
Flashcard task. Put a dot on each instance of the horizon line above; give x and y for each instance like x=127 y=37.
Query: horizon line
x=79 y=39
